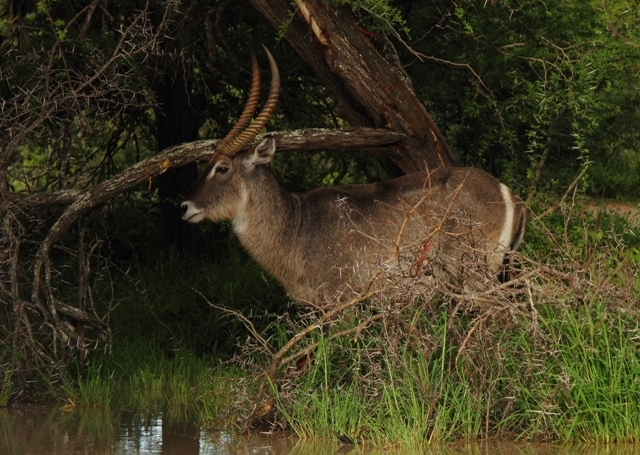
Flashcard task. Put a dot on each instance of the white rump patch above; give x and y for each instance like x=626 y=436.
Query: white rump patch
x=507 y=226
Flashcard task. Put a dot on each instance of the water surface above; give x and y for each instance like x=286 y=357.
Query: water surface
x=37 y=430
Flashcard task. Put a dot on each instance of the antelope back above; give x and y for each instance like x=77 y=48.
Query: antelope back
x=457 y=224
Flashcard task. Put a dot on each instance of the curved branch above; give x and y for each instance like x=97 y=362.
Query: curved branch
x=306 y=140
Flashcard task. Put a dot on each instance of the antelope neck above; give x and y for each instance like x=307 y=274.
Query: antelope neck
x=268 y=225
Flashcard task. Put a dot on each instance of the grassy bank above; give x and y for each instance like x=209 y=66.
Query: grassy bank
x=141 y=379
x=572 y=376
x=554 y=356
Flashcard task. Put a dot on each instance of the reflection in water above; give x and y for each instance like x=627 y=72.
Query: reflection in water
x=155 y=436
x=37 y=430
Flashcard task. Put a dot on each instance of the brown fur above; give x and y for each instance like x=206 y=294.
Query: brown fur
x=327 y=244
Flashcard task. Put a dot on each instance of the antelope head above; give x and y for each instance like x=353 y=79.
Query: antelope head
x=221 y=190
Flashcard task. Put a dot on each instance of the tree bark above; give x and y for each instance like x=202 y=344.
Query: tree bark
x=367 y=90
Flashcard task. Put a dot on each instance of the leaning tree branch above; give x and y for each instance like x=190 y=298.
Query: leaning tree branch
x=306 y=140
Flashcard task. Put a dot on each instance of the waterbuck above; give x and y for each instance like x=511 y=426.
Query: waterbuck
x=330 y=243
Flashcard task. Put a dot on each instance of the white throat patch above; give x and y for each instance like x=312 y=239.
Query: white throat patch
x=240 y=222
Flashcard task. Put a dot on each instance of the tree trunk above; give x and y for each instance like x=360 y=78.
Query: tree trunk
x=367 y=89
x=176 y=123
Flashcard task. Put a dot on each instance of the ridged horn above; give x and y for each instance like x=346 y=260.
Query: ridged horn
x=267 y=110
x=249 y=108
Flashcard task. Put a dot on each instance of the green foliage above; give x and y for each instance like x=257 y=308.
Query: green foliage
x=383 y=14
x=589 y=235
x=616 y=176
x=512 y=82
x=305 y=172
x=101 y=94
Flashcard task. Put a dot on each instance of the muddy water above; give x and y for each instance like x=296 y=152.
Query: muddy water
x=38 y=431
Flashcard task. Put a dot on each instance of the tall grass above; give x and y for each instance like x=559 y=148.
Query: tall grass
x=573 y=377
x=140 y=378
x=89 y=390
x=389 y=395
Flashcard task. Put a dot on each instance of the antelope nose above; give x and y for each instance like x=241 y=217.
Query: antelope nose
x=190 y=212
x=183 y=209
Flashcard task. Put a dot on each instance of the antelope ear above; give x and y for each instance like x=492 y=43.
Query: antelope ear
x=262 y=154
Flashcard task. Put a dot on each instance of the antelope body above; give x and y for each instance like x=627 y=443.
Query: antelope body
x=329 y=243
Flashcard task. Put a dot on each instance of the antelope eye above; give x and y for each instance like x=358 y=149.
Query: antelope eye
x=222 y=170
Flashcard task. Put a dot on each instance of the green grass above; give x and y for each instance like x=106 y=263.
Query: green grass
x=573 y=378
x=91 y=390
x=140 y=378
x=578 y=382
x=400 y=396
x=601 y=363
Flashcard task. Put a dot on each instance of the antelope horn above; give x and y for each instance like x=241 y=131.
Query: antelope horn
x=249 y=108
x=261 y=120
